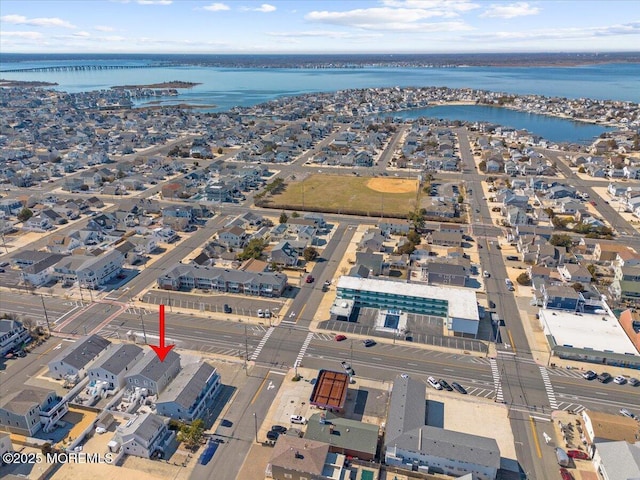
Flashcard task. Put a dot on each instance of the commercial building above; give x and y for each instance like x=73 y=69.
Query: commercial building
x=348 y=437
x=462 y=316
x=411 y=444
x=601 y=427
x=187 y=277
x=330 y=391
x=617 y=460
x=589 y=337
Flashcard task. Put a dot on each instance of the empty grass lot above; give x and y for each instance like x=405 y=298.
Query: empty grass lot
x=349 y=194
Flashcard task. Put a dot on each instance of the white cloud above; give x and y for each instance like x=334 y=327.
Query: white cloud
x=632 y=28
x=512 y=10
x=104 y=28
x=36 y=22
x=384 y=18
x=265 y=8
x=440 y=5
x=27 y=35
x=81 y=34
x=217 y=7
x=324 y=34
x=155 y=2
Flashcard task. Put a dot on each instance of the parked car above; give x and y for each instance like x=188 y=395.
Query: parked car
x=309 y=279
x=486 y=274
x=492 y=304
x=260 y=313
x=589 y=375
x=578 y=454
x=272 y=435
x=458 y=388
x=298 y=419
x=226 y=308
x=278 y=428
x=368 y=342
x=626 y=413
x=634 y=382
x=565 y=474
x=620 y=380
x=445 y=385
x=340 y=338
x=604 y=377
x=434 y=383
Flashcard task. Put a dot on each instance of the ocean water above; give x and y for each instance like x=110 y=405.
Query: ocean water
x=219 y=88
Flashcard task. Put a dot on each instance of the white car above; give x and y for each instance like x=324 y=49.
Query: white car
x=486 y=274
x=299 y=419
x=260 y=313
x=620 y=380
x=626 y=413
x=434 y=383
x=101 y=430
x=404 y=375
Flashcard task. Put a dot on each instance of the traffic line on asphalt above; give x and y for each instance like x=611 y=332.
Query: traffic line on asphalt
x=497 y=384
x=535 y=437
x=553 y=403
x=303 y=350
x=258 y=349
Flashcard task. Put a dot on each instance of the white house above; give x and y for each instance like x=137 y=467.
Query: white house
x=116 y=364
x=143 y=436
x=12 y=335
x=74 y=360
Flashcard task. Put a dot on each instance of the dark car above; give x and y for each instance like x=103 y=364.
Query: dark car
x=278 y=428
x=21 y=353
x=564 y=473
x=604 y=377
x=227 y=308
x=634 y=382
x=492 y=304
x=368 y=342
x=589 y=375
x=458 y=388
x=445 y=385
x=271 y=435
x=208 y=452
x=578 y=454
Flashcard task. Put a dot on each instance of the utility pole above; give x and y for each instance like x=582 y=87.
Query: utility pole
x=246 y=355
x=255 y=421
x=144 y=333
x=46 y=317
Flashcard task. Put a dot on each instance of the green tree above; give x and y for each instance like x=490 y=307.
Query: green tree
x=524 y=279
x=253 y=249
x=560 y=240
x=191 y=435
x=310 y=254
x=295 y=215
x=407 y=248
x=220 y=150
x=284 y=218
x=25 y=214
x=482 y=166
x=592 y=270
x=577 y=287
x=460 y=198
x=414 y=237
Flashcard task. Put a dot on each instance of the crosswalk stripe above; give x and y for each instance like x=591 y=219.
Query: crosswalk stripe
x=497 y=384
x=553 y=403
x=304 y=347
x=258 y=349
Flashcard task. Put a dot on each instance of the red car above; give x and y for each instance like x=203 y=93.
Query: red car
x=579 y=454
x=309 y=279
x=340 y=338
x=566 y=475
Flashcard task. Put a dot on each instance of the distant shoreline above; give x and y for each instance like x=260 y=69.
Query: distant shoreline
x=25 y=83
x=171 y=84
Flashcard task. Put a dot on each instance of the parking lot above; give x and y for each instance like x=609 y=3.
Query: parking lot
x=214 y=302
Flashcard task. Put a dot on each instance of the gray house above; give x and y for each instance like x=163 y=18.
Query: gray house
x=116 y=364
x=444 y=274
x=187 y=397
x=152 y=374
x=75 y=359
x=144 y=436
x=20 y=411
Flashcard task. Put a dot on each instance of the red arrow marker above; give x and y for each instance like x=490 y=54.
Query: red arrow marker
x=162 y=350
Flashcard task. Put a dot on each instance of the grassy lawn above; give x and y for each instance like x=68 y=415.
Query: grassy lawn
x=348 y=194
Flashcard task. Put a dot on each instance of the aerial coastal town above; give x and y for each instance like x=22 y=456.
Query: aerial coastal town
x=337 y=292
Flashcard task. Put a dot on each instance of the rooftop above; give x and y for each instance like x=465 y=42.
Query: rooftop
x=465 y=305
x=600 y=332
x=330 y=390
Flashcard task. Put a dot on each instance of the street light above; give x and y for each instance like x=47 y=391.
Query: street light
x=255 y=421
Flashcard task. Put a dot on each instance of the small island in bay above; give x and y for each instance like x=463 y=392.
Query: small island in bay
x=24 y=83
x=171 y=84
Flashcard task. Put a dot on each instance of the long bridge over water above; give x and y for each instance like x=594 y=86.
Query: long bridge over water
x=77 y=68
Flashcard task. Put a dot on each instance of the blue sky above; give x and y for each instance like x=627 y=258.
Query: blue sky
x=307 y=26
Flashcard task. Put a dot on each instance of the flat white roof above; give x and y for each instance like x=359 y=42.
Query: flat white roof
x=586 y=330
x=462 y=301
